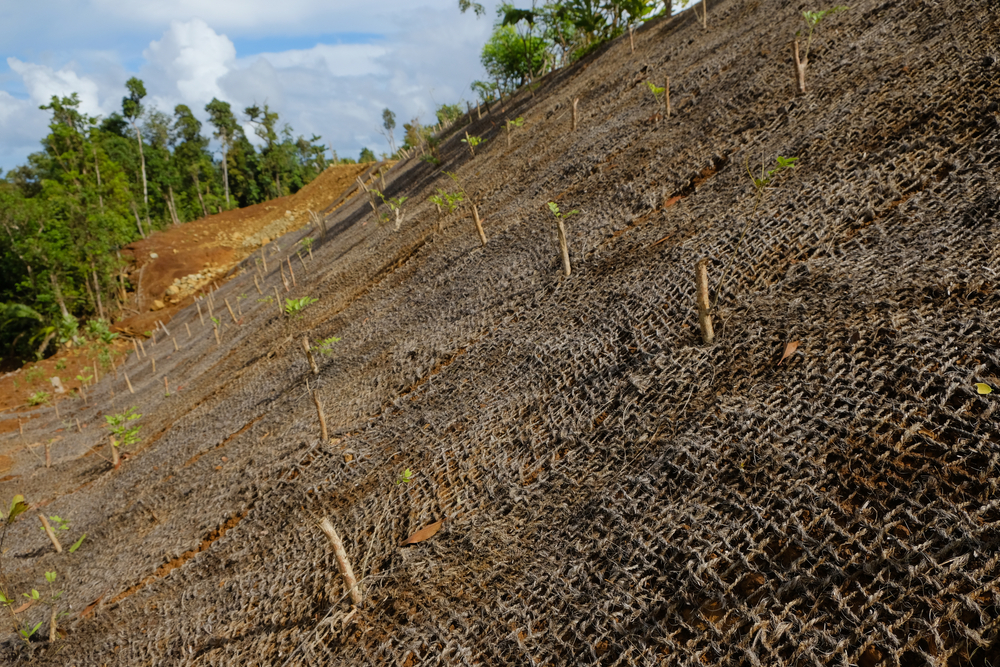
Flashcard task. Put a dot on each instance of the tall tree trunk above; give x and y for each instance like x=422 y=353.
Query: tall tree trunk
x=225 y=170
x=197 y=187
x=170 y=206
x=137 y=222
x=142 y=161
x=59 y=294
x=174 y=205
x=97 y=291
x=97 y=168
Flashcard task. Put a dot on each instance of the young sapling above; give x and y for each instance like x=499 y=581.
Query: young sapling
x=563 y=244
x=813 y=20
x=472 y=142
x=508 y=124
x=294 y=307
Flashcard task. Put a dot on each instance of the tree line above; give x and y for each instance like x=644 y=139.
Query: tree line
x=99 y=184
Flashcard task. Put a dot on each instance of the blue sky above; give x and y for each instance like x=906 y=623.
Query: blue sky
x=328 y=67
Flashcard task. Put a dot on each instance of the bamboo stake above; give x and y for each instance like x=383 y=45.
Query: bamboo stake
x=201 y=317
x=479 y=224
x=277 y=298
x=309 y=354
x=563 y=245
x=217 y=341
x=302 y=261
x=284 y=282
x=263 y=257
x=800 y=68
x=256 y=284
x=55 y=404
x=52 y=624
x=188 y=329
x=143 y=348
x=239 y=306
x=115 y=460
x=48 y=454
x=668 y=96
x=704 y=310
x=575 y=101
x=79 y=429
x=322 y=417
x=166 y=386
x=230 y=309
x=290 y=272
x=96 y=375
x=51 y=533
x=130 y=389
x=136 y=347
x=153 y=360
x=343 y=564
x=152 y=338
x=631 y=39
x=176 y=349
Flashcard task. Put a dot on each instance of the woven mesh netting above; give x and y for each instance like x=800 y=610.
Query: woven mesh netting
x=613 y=491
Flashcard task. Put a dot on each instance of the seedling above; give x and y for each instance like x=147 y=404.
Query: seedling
x=76 y=545
x=38 y=398
x=405 y=478
x=657 y=91
x=325 y=346
x=33 y=373
x=395 y=205
x=472 y=142
x=57 y=523
x=813 y=19
x=761 y=184
x=119 y=425
x=266 y=299
x=294 y=307
x=61 y=365
x=216 y=322
x=307 y=243
x=517 y=122
x=563 y=244
x=85 y=379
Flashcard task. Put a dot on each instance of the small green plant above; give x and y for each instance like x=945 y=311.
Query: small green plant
x=104 y=356
x=57 y=523
x=395 y=205
x=813 y=19
x=85 y=379
x=657 y=91
x=446 y=202
x=76 y=545
x=508 y=124
x=307 y=244
x=266 y=299
x=99 y=330
x=61 y=365
x=554 y=207
x=216 y=322
x=431 y=159
x=761 y=185
x=325 y=346
x=472 y=142
x=38 y=398
x=34 y=373
x=561 y=228
x=121 y=427
x=405 y=478
x=294 y=307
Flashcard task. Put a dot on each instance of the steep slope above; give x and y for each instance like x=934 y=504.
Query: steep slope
x=615 y=492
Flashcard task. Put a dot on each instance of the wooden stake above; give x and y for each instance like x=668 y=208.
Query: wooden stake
x=277 y=298
x=143 y=348
x=130 y=389
x=51 y=533
x=667 y=89
x=631 y=39
x=479 y=224
x=96 y=375
x=283 y=281
x=575 y=101
x=309 y=354
x=188 y=329
x=322 y=417
x=79 y=429
x=290 y=272
x=230 y=309
x=704 y=309
x=302 y=261
x=136 y=346
x=166 y=386
x=342 y=563
x=256 y=284
x=176 y=349
x=263 y=257
x=48 y=454
x=55 y=403
x=563 y=245
x=201 y=317
x=153 y=361
x=217 y=341
x=152 y=338
x=115 y=460
x=52 y=624
x=800 y=68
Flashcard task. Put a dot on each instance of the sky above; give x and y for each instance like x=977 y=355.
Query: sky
x=328 y=67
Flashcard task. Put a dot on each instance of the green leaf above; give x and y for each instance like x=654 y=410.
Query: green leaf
x=76 y=545
x=50 y=576
x=554 y=207
x=27 y=633
x=17 y=507
x=983 y=388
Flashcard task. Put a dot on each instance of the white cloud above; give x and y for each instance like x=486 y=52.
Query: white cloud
x=188 y=62
x=43 y=82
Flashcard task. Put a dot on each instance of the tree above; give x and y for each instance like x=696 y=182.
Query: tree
x=510 y=59
x=220 y=114
x=264 y=121
x=388 y=125
x=465 y=5
x=132 y=108
x=366 y=155
x=191 y=154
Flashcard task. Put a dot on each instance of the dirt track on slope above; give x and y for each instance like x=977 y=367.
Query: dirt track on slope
x=613 y=491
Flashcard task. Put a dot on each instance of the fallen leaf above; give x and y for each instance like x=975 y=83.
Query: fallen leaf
x=89 y=609
x=983 y=388
x=424 y=533
x=23 y=607
x=789 y=350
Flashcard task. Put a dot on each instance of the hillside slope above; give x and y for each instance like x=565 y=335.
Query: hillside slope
x=614 y=491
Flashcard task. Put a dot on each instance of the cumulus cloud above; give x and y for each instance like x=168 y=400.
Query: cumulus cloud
x=188 y=61
x=43 y=82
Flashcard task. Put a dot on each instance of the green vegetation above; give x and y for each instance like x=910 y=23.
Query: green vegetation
x=294 y=307
x=813 y=19
x=325 y=346
x=657 y=91
x=38 y=398
x=120 y=426
x=554 y=207
x=405 y=478
x=472 y=142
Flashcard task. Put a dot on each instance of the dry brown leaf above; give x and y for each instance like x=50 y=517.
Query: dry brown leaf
x=424 y=533
x=89 y=609
x=789 y=350
x=23 y=607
